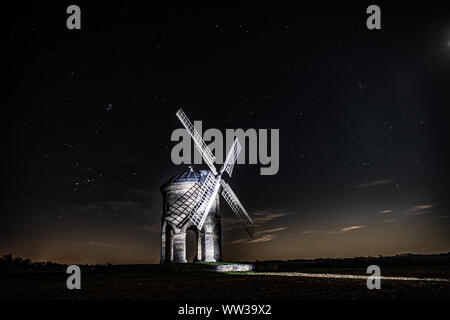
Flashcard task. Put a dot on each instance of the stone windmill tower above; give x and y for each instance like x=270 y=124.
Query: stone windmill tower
x=173 y=239
x=191 y=202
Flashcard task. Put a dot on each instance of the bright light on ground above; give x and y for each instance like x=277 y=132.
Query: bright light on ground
x=339 y=276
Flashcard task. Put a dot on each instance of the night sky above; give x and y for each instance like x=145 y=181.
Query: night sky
x=363 y=118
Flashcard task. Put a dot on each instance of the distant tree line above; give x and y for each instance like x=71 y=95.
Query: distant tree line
x=9 y=263
x=408 y=259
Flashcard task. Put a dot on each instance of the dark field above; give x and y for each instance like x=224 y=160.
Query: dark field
x=177 y=283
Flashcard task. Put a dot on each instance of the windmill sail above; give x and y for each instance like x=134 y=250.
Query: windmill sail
x=199 y=143
x=232 y=156
x=179 y=210
x=195 y=205
x=237 y=208
x=205 y=198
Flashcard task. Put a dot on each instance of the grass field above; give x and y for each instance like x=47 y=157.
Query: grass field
x=194 y=282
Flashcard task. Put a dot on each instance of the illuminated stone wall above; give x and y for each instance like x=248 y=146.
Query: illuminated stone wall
x=173 y=239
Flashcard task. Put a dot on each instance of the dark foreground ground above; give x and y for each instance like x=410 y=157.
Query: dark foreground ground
x=178 y=283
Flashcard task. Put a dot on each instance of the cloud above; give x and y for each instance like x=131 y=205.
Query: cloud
x=385 y=211
x=423 y=207
x=237 y=241
x=102 y=244
x=418 y=210
x=414 y=210
x=346 y=229
x=261 y=217
x=312 y=232
x=373 y=183
x=351 y=228
x=389 y=221
x=271 y=230
x=265 y=238
x=342 y=230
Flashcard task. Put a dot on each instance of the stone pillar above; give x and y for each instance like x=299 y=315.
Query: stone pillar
x=209 y=244
x=199 y=246
x=163 y=243
x=202 y=244
x=169 y=233
x=179 y=247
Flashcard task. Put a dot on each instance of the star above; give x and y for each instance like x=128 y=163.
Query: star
x=109 y=107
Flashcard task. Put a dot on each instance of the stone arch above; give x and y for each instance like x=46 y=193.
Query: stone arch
x=192 y=247
x=217 y=239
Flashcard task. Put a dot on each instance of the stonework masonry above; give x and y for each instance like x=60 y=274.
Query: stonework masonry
x=173 y=238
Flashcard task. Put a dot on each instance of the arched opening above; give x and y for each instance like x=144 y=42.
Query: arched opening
x=217 y=236
x=191 y=244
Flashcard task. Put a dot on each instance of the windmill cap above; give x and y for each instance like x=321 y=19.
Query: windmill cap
x=190 y=176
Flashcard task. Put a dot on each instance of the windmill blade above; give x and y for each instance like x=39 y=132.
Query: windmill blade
x=232 y=156
x=199 y=143
x=205 y=199
x=179 y=210
x=237 y=208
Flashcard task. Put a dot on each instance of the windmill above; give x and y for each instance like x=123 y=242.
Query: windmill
x=195 y=204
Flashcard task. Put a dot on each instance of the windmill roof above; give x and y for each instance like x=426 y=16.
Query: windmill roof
x=187 y=177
